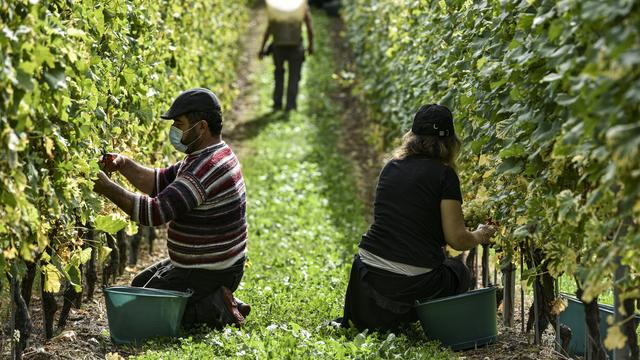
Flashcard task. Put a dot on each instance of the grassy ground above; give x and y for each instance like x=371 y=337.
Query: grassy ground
x=305 y=221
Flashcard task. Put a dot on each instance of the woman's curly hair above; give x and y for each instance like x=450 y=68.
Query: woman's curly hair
x=445 y=149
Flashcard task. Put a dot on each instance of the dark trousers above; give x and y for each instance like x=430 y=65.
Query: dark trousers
x=164 y=275
x=380 y=300
x=293 y=55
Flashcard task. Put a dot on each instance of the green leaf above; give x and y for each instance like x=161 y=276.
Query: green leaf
x=25 y=81
x=43 y=55
x=551 y=77
x=111 y=223
x=509 y=166
x=513 y=150
x=74 y=276
x=56 y=78
x=566 y=100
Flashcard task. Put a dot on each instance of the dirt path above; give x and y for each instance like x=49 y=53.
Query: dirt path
x=237 y=126
x=358 y=139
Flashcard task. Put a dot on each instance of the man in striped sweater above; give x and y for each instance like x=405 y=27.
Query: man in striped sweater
x=202 y=199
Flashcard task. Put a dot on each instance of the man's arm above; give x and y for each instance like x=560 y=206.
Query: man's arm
x=141 y=177
x=120 y=196
x=178 y=198
x=264 y=41
x=307 y=22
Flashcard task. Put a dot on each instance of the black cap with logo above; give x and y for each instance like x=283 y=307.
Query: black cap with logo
x=193 y=100
x=433 y=119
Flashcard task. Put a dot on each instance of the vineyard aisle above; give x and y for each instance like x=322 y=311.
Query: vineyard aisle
x=305 y=220
x=306 y=214
x=306 y=217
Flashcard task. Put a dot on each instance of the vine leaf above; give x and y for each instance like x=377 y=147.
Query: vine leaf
x=111 y=223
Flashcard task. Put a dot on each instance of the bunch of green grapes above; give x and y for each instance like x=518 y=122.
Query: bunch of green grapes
x=475 y=212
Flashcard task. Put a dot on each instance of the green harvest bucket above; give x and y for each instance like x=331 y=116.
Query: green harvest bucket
x=573 y=316
x=462 y=321
x=136 y=314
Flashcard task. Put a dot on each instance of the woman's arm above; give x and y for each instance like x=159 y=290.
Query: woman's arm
x=456 y=233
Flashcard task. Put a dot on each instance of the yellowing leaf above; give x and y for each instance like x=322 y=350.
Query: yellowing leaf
x=558 y=305
x=615 y=338
x=103 y=252
x=132 y=228
x=10 y=253
x=85 y=255
x=482 y=195
x=484 y=160
x=487 y=174
x=48 y=147
x=51 y=278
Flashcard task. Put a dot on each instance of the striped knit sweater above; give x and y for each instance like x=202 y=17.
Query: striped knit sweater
x=202 y=197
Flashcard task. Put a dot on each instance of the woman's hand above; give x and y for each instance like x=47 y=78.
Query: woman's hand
x=484 y=233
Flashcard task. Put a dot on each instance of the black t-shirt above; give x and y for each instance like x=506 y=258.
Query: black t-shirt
x=407 y=225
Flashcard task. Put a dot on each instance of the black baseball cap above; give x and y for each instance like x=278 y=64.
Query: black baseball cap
x=193 y=100
x=433 y=119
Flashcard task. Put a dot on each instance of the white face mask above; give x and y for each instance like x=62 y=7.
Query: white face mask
x=175 y=136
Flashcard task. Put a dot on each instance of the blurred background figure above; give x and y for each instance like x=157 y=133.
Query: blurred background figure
x=285 y=29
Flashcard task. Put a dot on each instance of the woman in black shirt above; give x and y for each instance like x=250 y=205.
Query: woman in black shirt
x=417 y=211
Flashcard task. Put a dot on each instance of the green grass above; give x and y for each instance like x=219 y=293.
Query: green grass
x=305 y=222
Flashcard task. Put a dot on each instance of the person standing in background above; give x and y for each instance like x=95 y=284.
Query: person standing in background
x=287 y=46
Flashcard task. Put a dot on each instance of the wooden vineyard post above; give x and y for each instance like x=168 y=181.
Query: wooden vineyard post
x=556 y=326
x=594 y=348
x=509 y=281
x=12 y=329
x=472 y=265
x=20 y=320
x=522 y=328
x=91 y=274
x=121 y=240
x=536 y=312
x=485 y=265
x=618 y=317
x=624 y=309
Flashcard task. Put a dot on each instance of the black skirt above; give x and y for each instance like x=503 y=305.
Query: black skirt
x=380 y=300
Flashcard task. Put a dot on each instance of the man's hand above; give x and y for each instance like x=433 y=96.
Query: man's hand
x=120 y=196
x=260 y=54
x=310 y=49
x=112 y=162
x=101 y=184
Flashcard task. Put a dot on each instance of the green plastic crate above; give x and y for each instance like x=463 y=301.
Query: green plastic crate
x=462 y=321
x=573 y=316
x=136 y=314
